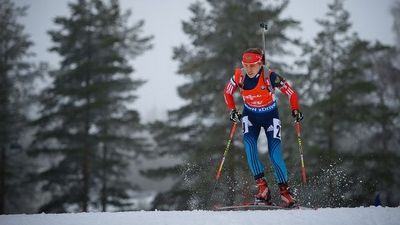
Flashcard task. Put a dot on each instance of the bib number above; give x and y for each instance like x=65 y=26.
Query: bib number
x=277 y=128
x=246 y=124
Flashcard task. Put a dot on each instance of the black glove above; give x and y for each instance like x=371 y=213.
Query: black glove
x=235 y=116
x=297 y=115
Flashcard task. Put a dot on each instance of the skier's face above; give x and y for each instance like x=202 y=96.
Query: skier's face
x=252 y=68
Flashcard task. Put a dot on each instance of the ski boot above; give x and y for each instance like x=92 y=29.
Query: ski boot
x=286 y=196
x=264 y=194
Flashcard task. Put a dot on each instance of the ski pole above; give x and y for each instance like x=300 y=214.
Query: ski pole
x=303 y=168
x=228 y=144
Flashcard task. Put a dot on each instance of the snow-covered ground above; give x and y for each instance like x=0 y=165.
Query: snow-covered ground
x=326 y=216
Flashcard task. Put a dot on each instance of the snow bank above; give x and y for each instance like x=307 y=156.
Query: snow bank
x=326 y=216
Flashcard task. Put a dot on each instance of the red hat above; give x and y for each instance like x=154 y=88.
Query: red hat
x=251 y=58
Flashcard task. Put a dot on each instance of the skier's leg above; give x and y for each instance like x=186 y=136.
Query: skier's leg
x=250 y=137
x=273 y=133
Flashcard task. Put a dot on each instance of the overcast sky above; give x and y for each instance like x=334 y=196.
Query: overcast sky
x=371 y=19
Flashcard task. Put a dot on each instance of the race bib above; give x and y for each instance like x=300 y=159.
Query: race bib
x=246 y=124
x=276 y=123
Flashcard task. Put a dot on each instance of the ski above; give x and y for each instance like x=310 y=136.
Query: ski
x=253 y=206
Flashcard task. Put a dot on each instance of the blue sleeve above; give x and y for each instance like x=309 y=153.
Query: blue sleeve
x=276 y=80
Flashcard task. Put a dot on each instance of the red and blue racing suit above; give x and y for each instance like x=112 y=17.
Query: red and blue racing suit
x=260 y=110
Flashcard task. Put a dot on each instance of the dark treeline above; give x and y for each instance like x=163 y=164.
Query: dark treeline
x=69 y=134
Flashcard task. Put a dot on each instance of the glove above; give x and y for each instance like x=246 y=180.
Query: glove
x=297 y=115
x=235 y=116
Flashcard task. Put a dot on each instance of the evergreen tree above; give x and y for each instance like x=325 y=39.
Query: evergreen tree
x=343 y=105
x=197 y=132
x=328 y=88
x=379 y=146
x=87 y=126
x=16 y=79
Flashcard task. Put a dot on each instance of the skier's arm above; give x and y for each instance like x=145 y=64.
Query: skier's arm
x=280 y=83
x=228 y=94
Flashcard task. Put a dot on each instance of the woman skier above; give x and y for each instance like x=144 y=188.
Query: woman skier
x=257 y=85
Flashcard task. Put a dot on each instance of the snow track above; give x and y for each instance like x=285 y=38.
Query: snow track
x=325 y=216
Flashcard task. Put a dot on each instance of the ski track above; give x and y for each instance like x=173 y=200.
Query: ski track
x=323 y=216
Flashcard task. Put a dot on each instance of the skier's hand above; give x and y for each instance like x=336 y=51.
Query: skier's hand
x=297 y=115
x=235 y=116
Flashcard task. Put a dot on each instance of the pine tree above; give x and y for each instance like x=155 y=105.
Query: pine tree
x=341 y=92
x=326 y=81
x=378 y=153
x=196 y=133
x=87 y=126
x=16 y=78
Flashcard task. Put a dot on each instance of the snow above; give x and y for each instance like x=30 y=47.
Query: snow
x=324 y=216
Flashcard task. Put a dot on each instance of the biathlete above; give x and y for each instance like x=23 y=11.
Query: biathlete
x=257 y=85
